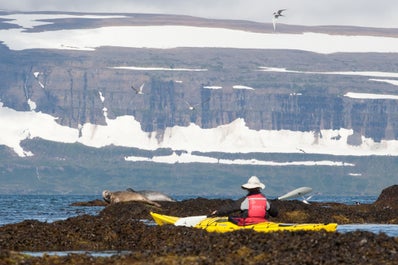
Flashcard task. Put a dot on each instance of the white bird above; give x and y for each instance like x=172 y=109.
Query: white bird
x=36 y=75
x=193 y=107
x=276 y=15
x=190 y=106
x=138 y=91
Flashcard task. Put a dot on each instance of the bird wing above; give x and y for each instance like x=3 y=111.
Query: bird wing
x=200 y=103
x=207 y=100
x=139 y=90
x=41 y=84
x=280 y=11
x=189 y=104
x=192 y=106
x=142 y=86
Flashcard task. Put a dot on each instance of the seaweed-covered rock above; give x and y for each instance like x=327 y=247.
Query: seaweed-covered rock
x=96 y=202
x=388 y=197
x=121 y=227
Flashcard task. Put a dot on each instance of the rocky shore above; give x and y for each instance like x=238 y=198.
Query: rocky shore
x=119 y=227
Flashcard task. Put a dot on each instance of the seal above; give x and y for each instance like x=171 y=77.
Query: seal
x=125 y=196
x=153 y=195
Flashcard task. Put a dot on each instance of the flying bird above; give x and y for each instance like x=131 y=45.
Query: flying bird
x=36 y=75
x=279 y=13
x=276 y=15
x=190 y=106
x=301 y=150
x=139 y=90
x=193 y=106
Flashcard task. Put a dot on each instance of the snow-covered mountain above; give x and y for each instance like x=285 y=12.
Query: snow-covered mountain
x=39 y=31
x=53 y=60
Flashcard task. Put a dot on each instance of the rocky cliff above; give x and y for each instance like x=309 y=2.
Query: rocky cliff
x=268 y=88
x=205 y=86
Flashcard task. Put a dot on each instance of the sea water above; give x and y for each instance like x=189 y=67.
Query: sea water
x=51 y=208
x=44 y=208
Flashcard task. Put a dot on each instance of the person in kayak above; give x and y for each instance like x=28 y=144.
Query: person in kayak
x=254 y=207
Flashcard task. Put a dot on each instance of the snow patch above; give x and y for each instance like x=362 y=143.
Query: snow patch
x=242 y=87
x=16 y=126
x=189 y=158
x=370 y=96
x=32 y=104
x=389 y=81
x=212 y=87
x=234 y=137
x=163 y=37
x=354 y=73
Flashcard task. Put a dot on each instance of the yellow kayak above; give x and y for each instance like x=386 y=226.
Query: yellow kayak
x=222 y=225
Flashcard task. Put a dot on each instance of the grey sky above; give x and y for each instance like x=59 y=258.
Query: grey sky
x=381 y=13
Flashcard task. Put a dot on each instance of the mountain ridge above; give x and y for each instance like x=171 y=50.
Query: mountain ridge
x=270 y=89
x=145 y=19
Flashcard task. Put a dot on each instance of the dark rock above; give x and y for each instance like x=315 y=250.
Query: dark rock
x=388 y=198
x=120 y=227
x=96 y=202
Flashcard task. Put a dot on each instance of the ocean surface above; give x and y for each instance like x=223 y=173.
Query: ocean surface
x=50 y=208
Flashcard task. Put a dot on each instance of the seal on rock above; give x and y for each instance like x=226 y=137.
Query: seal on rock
x=125 y=196
x=153 y=195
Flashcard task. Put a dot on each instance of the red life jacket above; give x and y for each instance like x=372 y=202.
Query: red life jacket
x=257 y=210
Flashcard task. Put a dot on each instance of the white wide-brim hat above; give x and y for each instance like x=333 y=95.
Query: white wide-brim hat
x=253 y=183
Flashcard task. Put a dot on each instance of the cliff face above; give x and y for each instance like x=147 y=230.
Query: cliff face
x=270 y=89
x=209 y=87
